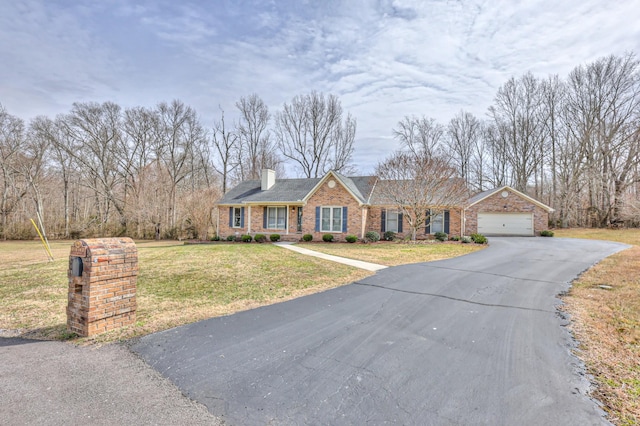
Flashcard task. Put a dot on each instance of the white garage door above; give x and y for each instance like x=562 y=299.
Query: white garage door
x=505 y=223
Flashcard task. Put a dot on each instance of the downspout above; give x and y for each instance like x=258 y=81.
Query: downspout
x=218 y=221
x=286 y=225
x=463 y=222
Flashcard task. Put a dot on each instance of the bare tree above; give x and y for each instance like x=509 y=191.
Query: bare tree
x=310 y=132
x=179 y=138
x=419 y=185
x=14 y=186
x=256 y=150
x=95 y=131
x=603 y=107
x=465 y=133
x=420 y=135
x=518 y=131
x=225 y=143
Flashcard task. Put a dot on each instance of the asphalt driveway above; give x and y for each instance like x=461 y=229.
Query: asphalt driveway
x=471 y=340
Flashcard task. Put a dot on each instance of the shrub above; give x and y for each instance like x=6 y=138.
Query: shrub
x=546 y=233
x=372 y=236
x=389 y=236
x=466 y=240
x=327 y=238
x=441 y=236
x=307 y=237
x=479 y=238
x=351 y=238
x=454 y=238
x=274 y=237
x=246 y=238
x=215 y=238
x=231 y=238
x=260 y=238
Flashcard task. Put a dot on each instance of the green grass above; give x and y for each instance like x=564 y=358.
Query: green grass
x=177 y=284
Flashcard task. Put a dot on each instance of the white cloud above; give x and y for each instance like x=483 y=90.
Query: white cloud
x=384 y=59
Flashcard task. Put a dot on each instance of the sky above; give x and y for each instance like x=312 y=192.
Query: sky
x=384 y=59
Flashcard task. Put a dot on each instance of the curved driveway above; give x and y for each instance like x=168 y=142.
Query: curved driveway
x=471 y=340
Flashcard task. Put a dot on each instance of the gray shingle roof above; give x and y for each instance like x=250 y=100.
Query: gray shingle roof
x=283 y=191
x=483 y=195
x=361 y=186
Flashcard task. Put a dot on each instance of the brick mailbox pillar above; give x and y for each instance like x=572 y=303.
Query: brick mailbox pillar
x=102 y=285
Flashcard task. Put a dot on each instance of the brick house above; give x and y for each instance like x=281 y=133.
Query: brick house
x=505 y=211
x=334 y=204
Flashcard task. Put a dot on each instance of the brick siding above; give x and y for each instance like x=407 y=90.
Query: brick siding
x=495 y=203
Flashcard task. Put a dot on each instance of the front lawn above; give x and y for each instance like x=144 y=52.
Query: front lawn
x=395 y=253
x=178 y=284
x=606 y=322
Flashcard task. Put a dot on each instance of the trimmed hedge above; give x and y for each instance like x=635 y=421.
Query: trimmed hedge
x=274 y=237
x=351 y=238
x=307 y=237
x=327 y=238
x=479 y=238
x=372 y=237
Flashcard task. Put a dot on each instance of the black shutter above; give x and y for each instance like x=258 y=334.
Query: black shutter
x=264 y=218
x=230 y=217
x=399 y=222
x=345 y=217
x=241 y=217
x=317 y=219
x=383 y=221
x=446 y=221
x=427 y=223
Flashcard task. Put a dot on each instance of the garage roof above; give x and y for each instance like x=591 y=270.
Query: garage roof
x=486 y=194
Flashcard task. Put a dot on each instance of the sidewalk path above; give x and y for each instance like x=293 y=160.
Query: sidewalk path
x=351 y=262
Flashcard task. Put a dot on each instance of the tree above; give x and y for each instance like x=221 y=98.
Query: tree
x=180 y=136
x=256 y=151
x=603 y=102
x=311 y=133
x=420 y=135
x=14 y=185
x=94 y=131
x=420 y=186
x=517 y=128
x=465 y=133
x=225 y=143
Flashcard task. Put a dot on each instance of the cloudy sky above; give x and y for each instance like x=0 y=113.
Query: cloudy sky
x=384 y=59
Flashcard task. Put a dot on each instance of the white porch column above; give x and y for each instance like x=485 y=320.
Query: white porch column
x=249 y=220
x=286 y=225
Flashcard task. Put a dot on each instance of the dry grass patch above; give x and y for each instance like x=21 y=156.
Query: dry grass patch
x=177 y=284
x=606 y=322
x=396 y=253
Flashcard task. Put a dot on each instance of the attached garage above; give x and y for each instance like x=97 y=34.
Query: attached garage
x=505 y=211
x=505 y=224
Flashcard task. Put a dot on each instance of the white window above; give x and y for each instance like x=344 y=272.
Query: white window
x=392 y=221
x=276 y=218
x=237 y=217
x=437 y=223
x=331 y=219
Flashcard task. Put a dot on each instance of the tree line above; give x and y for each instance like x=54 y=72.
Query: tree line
x=156 y=172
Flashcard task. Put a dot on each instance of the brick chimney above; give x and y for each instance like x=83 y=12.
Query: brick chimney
x=268 y=179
